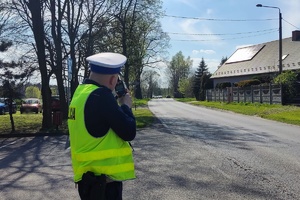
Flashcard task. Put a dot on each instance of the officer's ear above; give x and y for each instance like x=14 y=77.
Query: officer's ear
x=113 y=80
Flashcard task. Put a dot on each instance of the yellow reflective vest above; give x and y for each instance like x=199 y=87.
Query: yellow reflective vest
x=109 y=155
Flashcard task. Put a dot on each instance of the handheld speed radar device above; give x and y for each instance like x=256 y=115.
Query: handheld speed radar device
x=121 y=88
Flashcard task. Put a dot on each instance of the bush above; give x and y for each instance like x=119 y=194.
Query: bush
x=223 y=85
x=289 y=87
x=247 y=83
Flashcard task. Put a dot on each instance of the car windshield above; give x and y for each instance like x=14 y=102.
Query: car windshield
x=31 y=101
x=1 y=100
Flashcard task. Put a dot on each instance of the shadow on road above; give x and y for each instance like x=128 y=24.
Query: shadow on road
x=215 y=134
x=35 y=168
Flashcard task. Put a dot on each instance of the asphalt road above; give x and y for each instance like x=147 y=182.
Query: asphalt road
x=189 y=153
x=222 y=155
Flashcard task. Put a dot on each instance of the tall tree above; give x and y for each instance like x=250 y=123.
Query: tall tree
x=223 y=60
x=142 y=40
x=55 y=49
x=178 y=69
x=34 y=17
x=125 y=14
x=205 y=83
x=150 y=82
x=148 y=42
x=186 y=87
x=94 y=36
x=201 y=69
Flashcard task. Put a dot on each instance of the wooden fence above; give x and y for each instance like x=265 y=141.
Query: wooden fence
x=271 y=94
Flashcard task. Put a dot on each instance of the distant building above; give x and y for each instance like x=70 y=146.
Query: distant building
x=259 y=59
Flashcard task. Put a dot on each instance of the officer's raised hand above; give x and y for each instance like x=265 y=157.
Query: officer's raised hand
x=125 y=99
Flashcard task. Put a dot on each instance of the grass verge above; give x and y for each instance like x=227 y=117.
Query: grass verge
x=286 y=114
x=141 y=112
x=31 y=123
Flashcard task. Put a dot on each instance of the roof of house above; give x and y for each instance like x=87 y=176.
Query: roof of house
x=260 y=59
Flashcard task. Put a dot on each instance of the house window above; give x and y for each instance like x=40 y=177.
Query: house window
x=288 y=65
x=259 y=68
x=283 y=65
x=237 y=71
x=269 y=67
x=244 y=70
x=294 y=64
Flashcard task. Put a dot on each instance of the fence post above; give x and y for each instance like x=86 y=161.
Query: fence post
x=214 y=95
x=238 y=95
x=281 y=94
x=206 y=95
x=271 y=91
x=260 y=94
x=251 y=93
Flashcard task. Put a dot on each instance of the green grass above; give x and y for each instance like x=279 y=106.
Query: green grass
x=25 y=123
x=140 y=102
x=286 y=114
x=32 y=123
x=141 y=112
x=143 y=117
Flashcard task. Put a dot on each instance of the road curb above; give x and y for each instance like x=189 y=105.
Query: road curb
x=12 y=135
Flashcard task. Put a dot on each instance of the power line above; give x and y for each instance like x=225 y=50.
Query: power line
x=212 y=34
x=211 y=19
x=206 y=40
x=291 y=24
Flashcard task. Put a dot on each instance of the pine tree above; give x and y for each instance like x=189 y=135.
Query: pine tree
x=200 y=71
x=223 y=60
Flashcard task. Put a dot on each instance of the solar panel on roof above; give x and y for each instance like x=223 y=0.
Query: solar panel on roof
x=244 y=54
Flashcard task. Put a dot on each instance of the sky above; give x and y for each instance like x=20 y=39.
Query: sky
x=212 y=29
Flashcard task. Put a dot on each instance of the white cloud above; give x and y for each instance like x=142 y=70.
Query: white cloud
x=188 y=25
x=197 y=29
x=203 y=51
x=209 y=11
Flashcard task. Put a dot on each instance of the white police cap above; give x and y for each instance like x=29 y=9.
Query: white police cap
x=106 y=63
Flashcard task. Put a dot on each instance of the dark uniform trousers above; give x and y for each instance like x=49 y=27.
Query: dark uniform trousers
x=93 y=187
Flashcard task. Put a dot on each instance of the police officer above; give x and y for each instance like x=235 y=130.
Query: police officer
x=100 y=129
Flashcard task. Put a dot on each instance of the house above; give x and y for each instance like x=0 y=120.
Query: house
x=260 y=59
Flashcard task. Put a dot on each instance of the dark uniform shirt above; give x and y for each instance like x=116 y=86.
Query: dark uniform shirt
x=102 y=112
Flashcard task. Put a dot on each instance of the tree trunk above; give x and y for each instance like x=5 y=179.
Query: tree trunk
x=138 y=91
x=57 y=37
x=35 y=8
